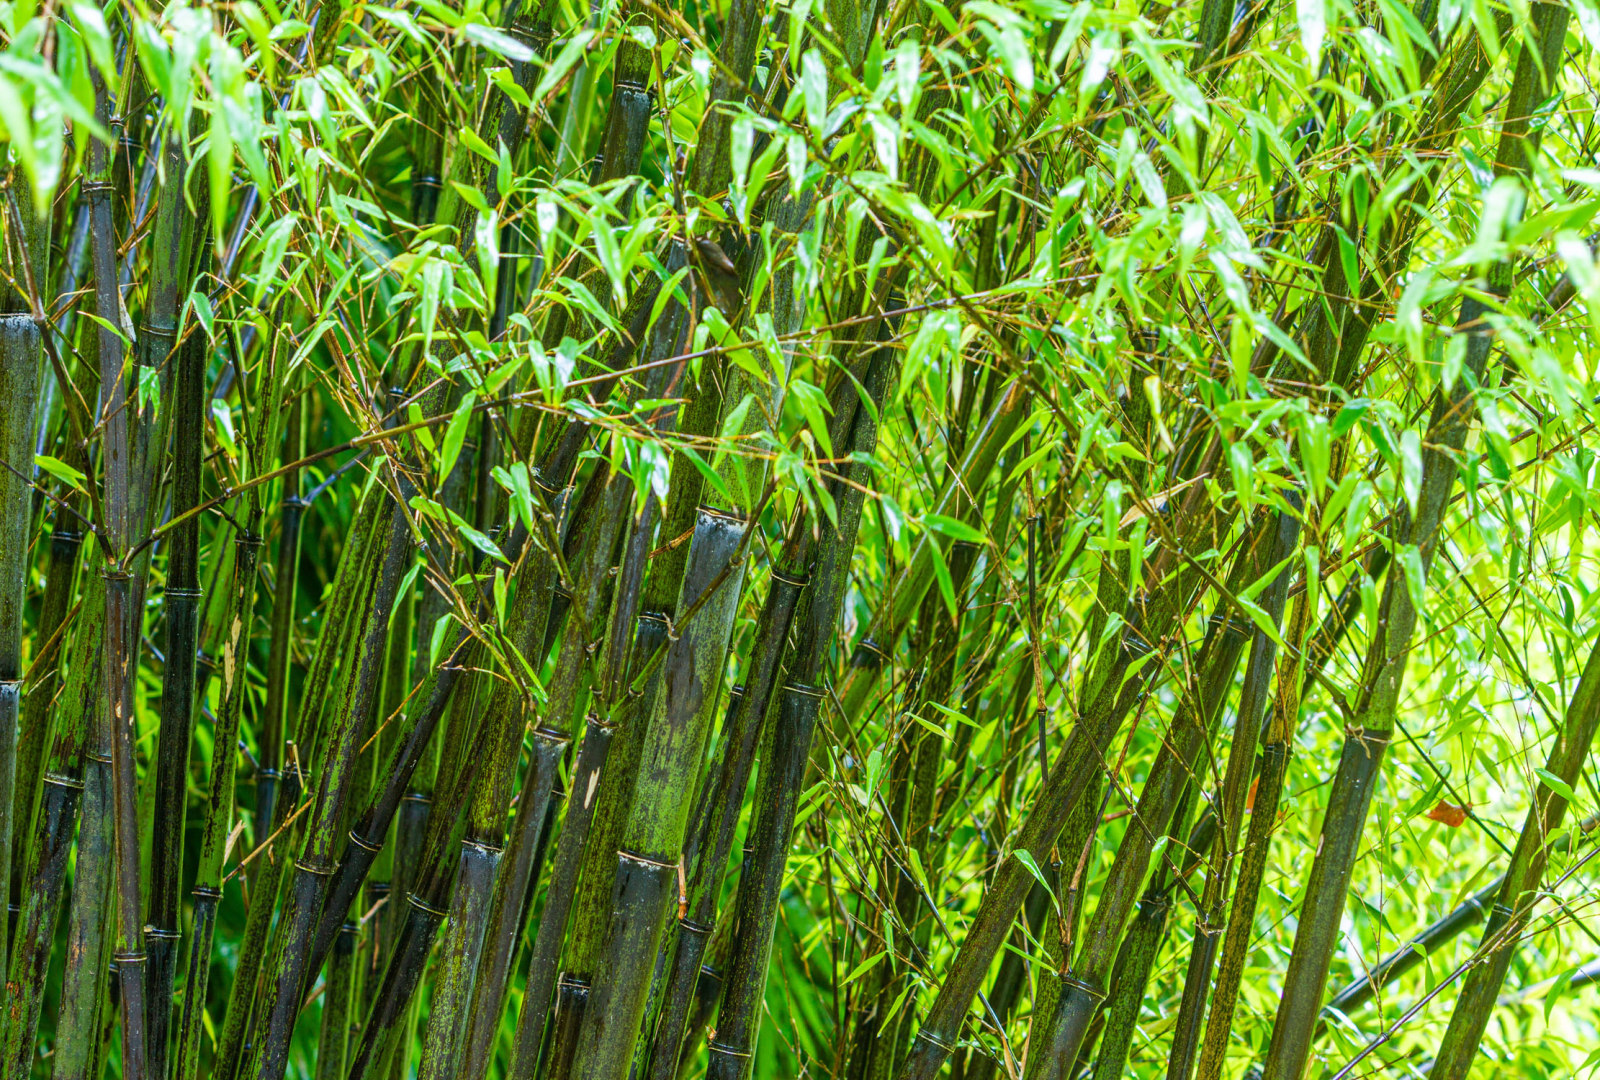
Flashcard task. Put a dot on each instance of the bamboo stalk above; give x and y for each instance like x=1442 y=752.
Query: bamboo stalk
x=1247 y=734
x=120 y=633
x=1136 y=960
x=84 y=983
x=1351 y=794
x=512 y=889
x=652 y=840
x=182 y=600
x=778 y=789
x=350 y=594
x=1276 y=752
x=290 y=972
x=269 y=774
x=595 y=767
x=219 y=814
x=20 y=352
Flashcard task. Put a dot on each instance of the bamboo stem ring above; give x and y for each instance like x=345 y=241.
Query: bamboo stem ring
x=1093 y=989
x=645 y=860
x=423 y=906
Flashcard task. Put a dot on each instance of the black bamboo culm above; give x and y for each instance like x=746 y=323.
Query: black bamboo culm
x=351 y=594
x=779 y=785
x=1254 y=701
x=1453 y=411
x=1277 y=751
x=1521 y=888
x=181 y=598
x=20 y=351
x=537 y=807
x=269 y=771
x=1193 y=727
x=219 y=809
x=595 y=767
x=120 y=633
x=314 y=865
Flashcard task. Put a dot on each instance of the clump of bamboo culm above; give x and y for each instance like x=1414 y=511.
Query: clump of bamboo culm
x=878 y=541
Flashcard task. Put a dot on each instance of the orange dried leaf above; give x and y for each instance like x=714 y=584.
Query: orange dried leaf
x=1449 y=813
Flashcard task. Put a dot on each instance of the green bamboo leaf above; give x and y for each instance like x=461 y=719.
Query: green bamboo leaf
x=1556 y=784
x=497 y=42
x=862 y=968
x=62 y=471
x=455 y=433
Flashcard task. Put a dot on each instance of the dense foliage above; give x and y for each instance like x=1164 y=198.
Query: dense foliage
x=879 y=540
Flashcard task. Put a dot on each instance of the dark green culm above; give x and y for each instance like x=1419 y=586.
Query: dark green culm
x=879 y=541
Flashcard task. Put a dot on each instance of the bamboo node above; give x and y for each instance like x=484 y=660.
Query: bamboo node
x=1134 y=643
x=924 y=1037
x=803 y=689
x=1231 y=625
x=362 y=843
x=183 y=594
x=550 y=734
x=318 y=868
x=132 y=957
x=266 y=772
x=645 y=860
x=349 y=928
x=99 y=759
x=421 y=905
x=1092 y=989
x=1369 y=738
x=722 y=515
x=160 y=331
x=873 y=647
x=90 y=187
x=425 y=182
x=58 y=780
x=160 y=935
x=417 y=797
x=482 y=848
x=206 y=892
x=724 y=1048
x=793 y=582
x=694 y=927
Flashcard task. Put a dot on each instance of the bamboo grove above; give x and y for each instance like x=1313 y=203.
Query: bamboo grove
x=877 y=540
